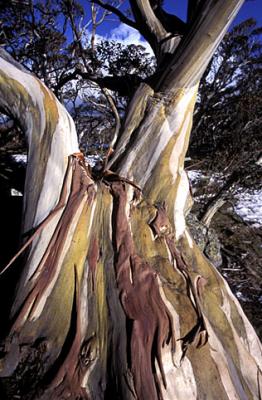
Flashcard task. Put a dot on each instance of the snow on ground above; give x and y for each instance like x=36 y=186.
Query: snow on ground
x=194 y=176
x=248 y=204
x=92 y=160
x=249 y=207
x=15 y=192
x=20 y=158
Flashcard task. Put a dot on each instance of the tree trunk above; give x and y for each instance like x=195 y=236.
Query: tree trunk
x=115 y=299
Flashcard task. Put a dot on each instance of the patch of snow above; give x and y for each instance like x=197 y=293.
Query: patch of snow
x=92 y=160
x=259 y=161
x=249 y=206
x=15 y=192
x=194 y=175
x=20 y=158
x=248 y=203
x=240 y=296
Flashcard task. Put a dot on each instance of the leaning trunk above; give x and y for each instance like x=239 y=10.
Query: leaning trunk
x=115 y=299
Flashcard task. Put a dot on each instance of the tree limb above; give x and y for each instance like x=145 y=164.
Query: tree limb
x=170 y=22
x=124 y=85
x=161 y=29
x=44 y=122
x=116 y=115
x=193 y=7
x=148 y=23
x=195 y=51
x=117 y=12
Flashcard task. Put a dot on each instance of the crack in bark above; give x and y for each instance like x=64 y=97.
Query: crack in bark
x=162 y=227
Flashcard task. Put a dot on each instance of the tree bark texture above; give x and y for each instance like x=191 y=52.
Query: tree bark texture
x=115 y=300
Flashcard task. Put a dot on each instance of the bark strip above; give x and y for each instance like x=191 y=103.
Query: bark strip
x=150 y=323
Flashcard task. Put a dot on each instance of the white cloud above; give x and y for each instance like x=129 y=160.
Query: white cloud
x=123 y=34
x=127 y=35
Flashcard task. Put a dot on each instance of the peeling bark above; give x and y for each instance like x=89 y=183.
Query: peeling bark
x=115 y=299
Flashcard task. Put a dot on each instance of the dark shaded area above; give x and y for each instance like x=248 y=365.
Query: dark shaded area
x=24 y=383
x=12 y=175
x=242 y=261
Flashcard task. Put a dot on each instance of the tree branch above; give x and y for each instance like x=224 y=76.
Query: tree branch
x=124 y=85
x=195 y=51
x=117 y=12
x=116 y=115
x=170 y=22
x=45 y=122
x=147 y=19
x=148 y=24
x=161 y=29
x=193 y=6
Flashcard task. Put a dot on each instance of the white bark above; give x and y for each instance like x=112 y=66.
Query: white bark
x=51 y=137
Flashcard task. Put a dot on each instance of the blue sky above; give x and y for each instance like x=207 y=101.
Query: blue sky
x=112 y=29
x=251 y=8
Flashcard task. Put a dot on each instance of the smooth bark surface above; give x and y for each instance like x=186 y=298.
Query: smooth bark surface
x=115 y=299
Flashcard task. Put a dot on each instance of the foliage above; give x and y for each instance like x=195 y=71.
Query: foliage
x=226 y=135
x=57 y=45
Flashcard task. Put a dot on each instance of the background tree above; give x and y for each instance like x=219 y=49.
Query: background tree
x=226 y=139
x=225 y=150
x=58 y=44
x=114 y=298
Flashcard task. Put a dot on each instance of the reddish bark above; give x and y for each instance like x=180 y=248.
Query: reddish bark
x=150 y=320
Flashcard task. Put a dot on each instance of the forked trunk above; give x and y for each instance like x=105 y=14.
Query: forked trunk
x=115 y=299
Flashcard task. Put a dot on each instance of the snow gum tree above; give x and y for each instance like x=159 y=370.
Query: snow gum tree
x=114 y=299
